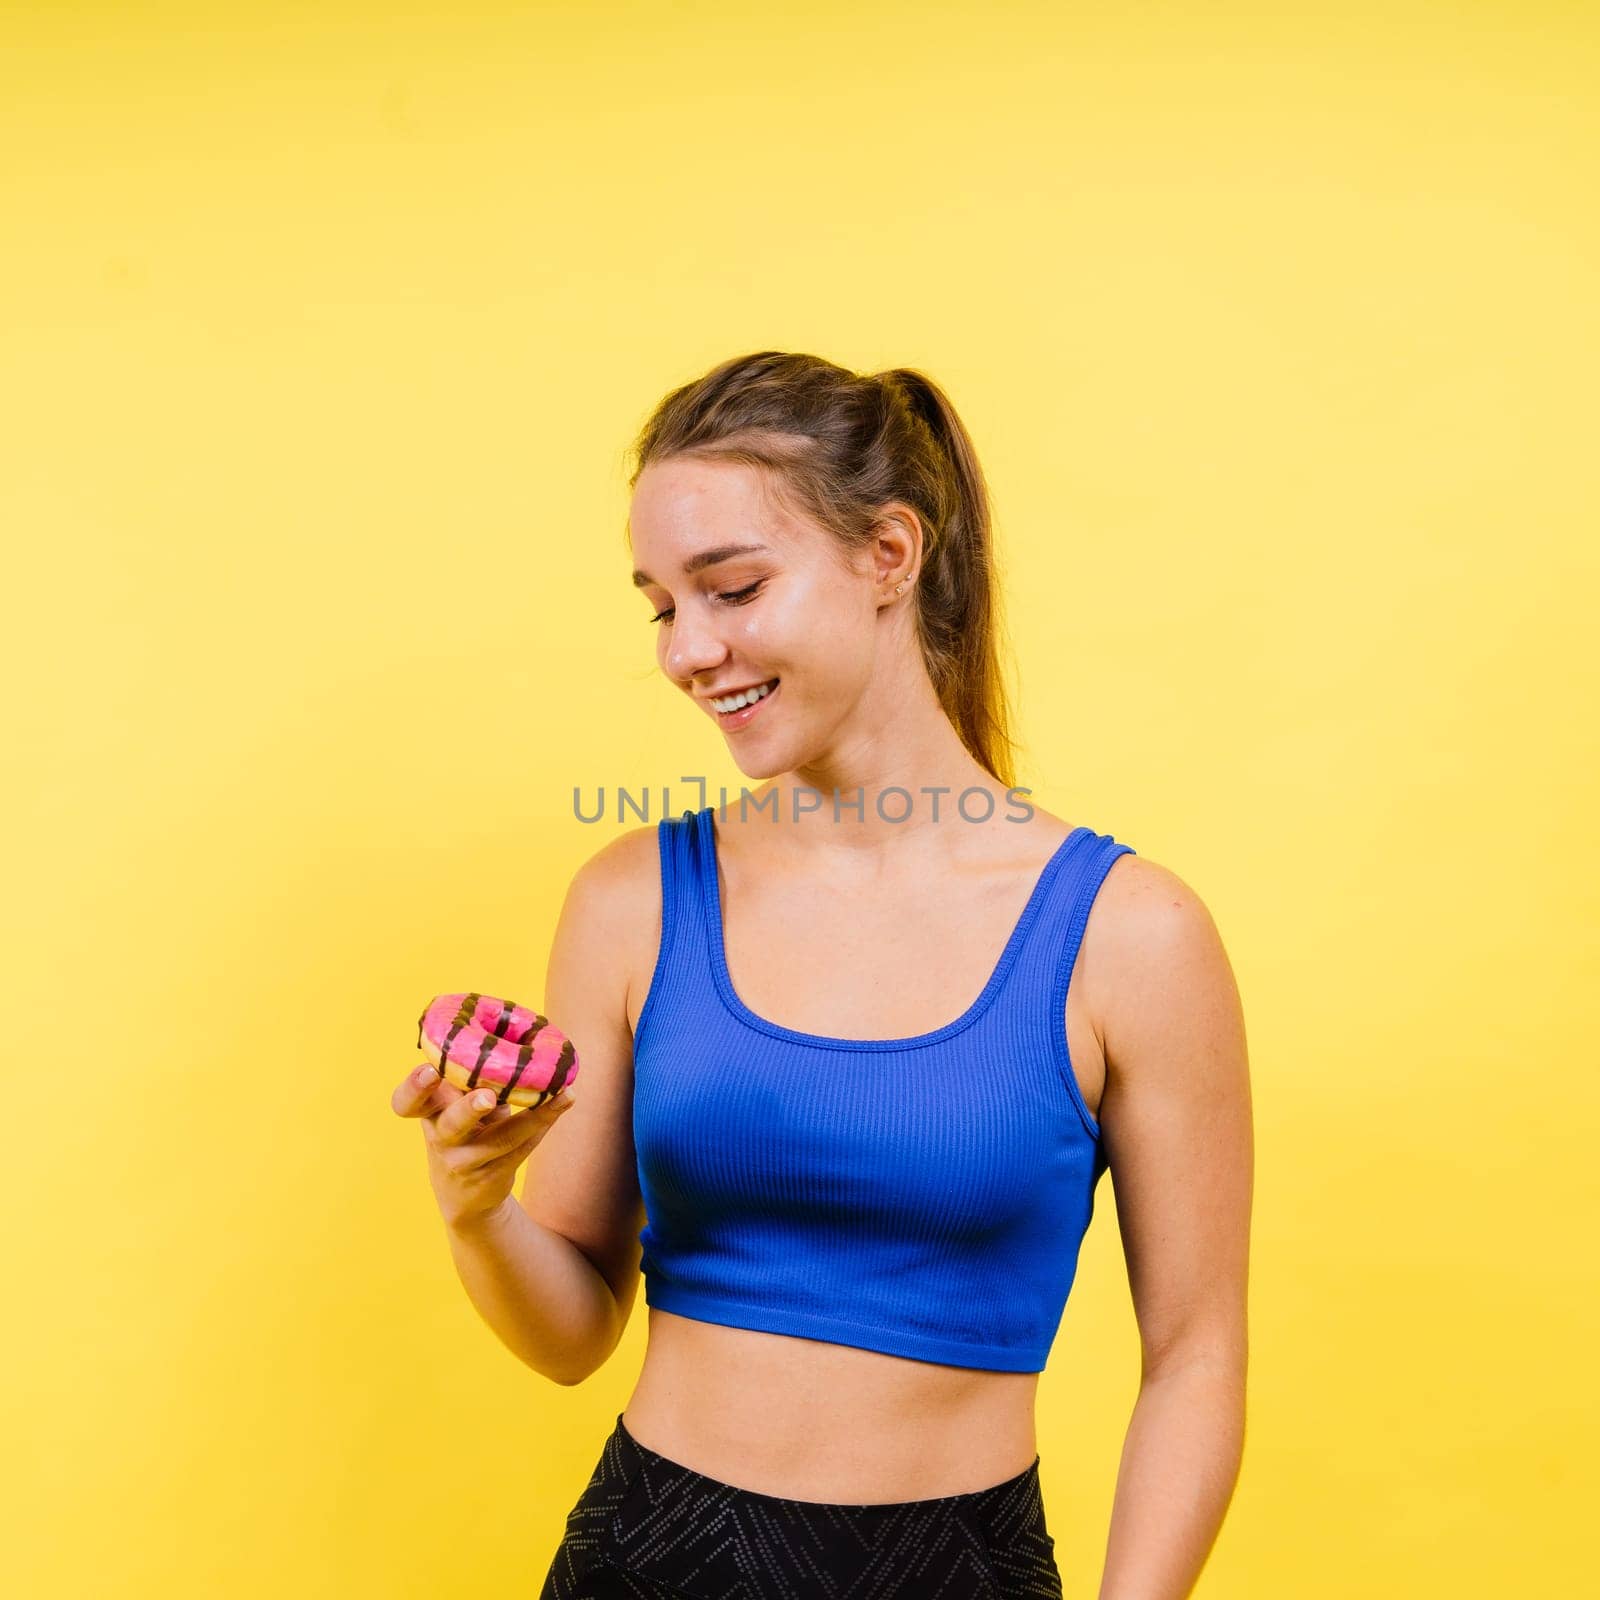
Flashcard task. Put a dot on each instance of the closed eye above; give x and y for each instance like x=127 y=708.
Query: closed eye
x=734 y=597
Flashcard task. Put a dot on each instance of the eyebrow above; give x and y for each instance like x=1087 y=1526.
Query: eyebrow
x=706 y=558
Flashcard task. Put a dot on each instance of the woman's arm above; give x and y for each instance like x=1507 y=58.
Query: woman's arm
x=1177 y=1123
x=536 y=1289
x=554 y=1274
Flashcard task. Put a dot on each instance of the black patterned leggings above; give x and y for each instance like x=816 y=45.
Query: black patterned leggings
x=646 y=1528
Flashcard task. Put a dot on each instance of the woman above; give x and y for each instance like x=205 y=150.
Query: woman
x=855 y=1054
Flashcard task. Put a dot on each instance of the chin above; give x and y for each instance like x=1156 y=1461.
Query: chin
x=761 y=768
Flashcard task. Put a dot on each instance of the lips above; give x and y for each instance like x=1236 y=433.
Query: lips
x=728 y=694
x=735 y=721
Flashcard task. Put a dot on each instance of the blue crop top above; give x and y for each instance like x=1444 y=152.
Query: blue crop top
x=924 y=1196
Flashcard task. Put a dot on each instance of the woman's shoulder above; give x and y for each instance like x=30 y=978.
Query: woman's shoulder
x=1142 y=896
x=615 y=897
x=624 y=869
x=1148 y=927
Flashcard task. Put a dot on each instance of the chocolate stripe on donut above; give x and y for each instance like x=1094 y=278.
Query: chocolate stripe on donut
x=490 y=1040
x=469 y=1004
x=529 y=1040
x=524 y=1054
x=563 y=1066
x=503 y=1026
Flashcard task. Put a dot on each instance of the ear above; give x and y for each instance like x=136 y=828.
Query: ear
x=897 y=546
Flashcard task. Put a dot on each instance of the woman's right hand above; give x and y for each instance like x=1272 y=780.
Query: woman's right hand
x=474 y=1145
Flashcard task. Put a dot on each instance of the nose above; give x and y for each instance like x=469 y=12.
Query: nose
x=693 y=647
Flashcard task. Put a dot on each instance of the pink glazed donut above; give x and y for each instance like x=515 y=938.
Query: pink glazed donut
x=477 y=1041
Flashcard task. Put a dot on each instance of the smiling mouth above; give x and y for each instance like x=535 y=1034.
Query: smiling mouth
x=766 y=690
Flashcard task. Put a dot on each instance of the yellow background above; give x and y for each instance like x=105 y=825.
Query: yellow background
x=323 y=330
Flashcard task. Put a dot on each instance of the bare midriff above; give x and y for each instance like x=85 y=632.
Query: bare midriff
x=803 y=1420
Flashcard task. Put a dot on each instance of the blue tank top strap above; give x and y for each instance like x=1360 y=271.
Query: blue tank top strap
x=683 y=965
x=1036 y=988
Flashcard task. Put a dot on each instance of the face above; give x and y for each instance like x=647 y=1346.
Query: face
x=787 y=609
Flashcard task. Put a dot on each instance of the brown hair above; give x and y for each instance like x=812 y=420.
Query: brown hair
x=842 y=445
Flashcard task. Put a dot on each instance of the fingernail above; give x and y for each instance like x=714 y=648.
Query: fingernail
x=485 y=1100
x=425 y=1075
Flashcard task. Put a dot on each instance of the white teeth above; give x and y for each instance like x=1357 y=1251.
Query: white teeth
x=748 y=697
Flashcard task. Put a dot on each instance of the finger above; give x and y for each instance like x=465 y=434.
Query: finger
x=424 y=1093
x=507 y=1126
x=519 y=1152
x=414 y=1097
x=494 y=1132
x=464 y=1119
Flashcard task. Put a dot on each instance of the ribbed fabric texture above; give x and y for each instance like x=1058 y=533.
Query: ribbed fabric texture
x=924 y=1196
